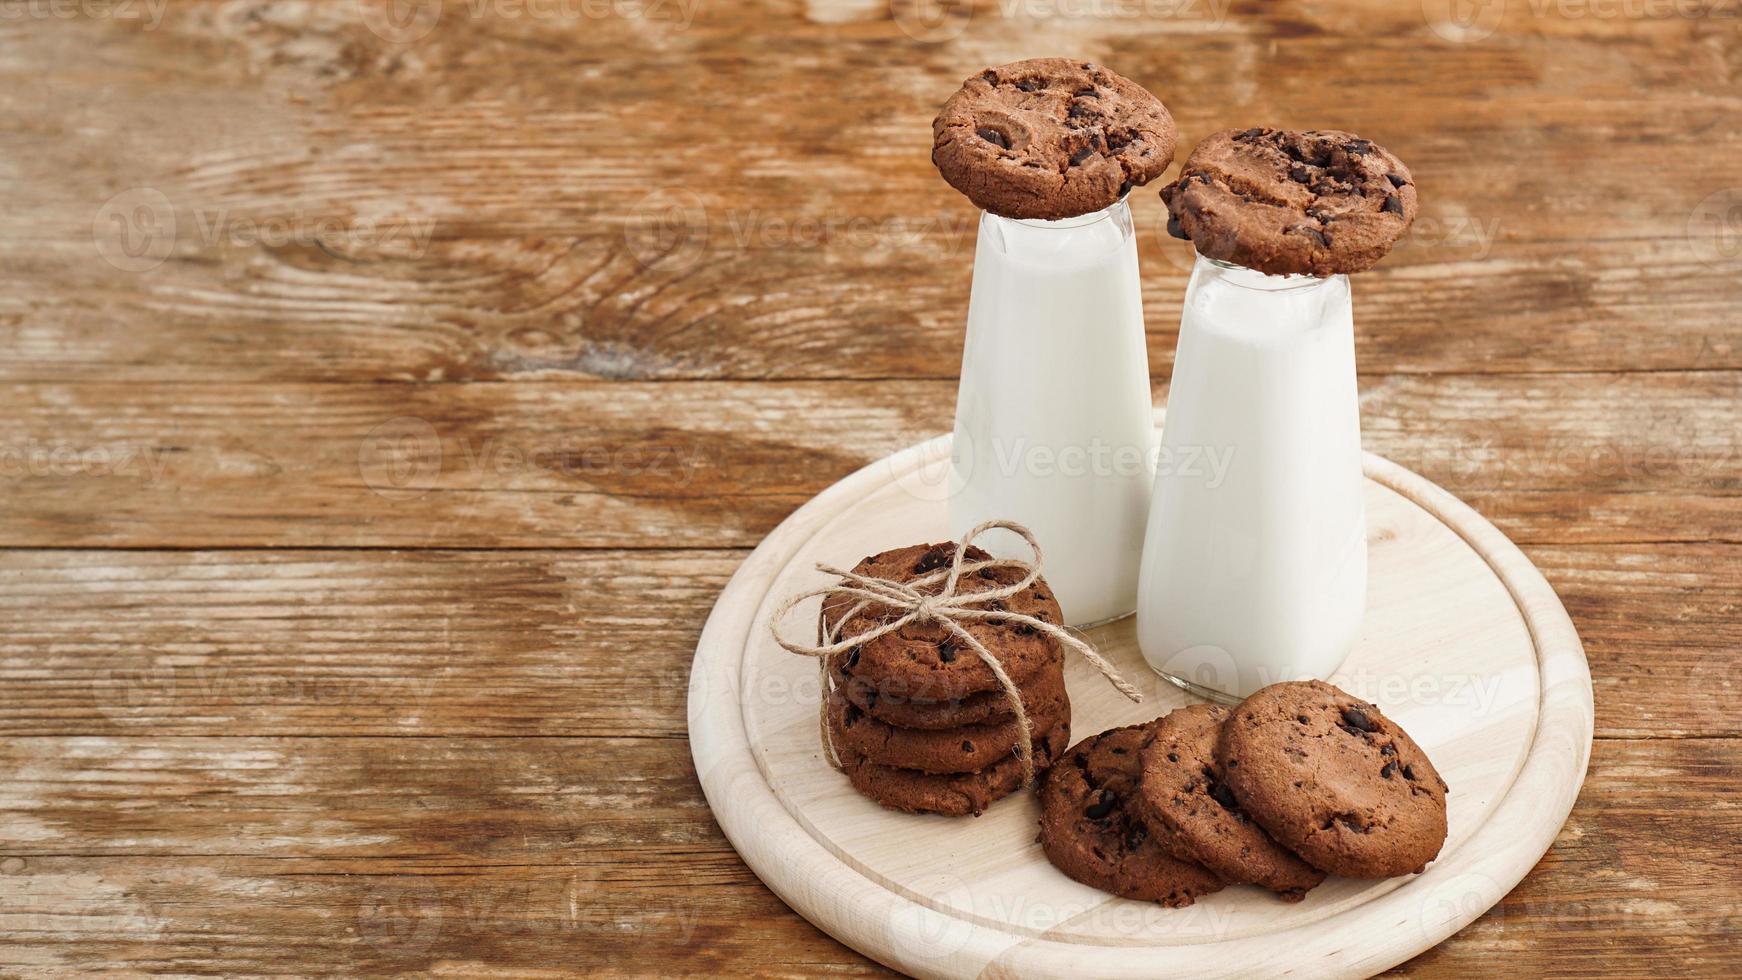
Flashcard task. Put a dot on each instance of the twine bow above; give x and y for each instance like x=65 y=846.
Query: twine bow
x=948 y=608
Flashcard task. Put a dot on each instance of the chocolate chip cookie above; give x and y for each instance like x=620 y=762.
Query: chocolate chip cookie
x=1050 y=138
x=894 y=705
x=1318 y=202
x=927 y=657
x=1196 y=817
x=950 y=794
x=1334 y=780
x=962 y=749
x=1089 y=830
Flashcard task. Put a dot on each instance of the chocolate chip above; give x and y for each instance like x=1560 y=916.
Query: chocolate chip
x=1299 y=175
x=853 y=657
x=993 y=137
x=1202 y=178
x=1173 y=757
x=1087 y=92
x=1312 y=233
x=934 y=558
x=1082 y=154
x=1360 y=146
x=1394 y=204
x=1390 y=767
x=1225 y=796
x=1023 y=629
x=988 y=573
x=1251 y=134
x=1303 y=719
x=1175 y=230
x=1397 y=180
x=947 y=652
x=967 y=746
x=1099 y=810
x=1409 y=773
x=1388 y=749
x=853 y=714
x=1042 y=597
x=1031 y=84
x=1358 y=719
x=1135 y=835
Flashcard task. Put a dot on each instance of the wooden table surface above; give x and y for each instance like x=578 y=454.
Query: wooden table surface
x=386 y=392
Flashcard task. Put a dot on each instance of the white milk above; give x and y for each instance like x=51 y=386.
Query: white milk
x=1053 y=418
x=1258 y=573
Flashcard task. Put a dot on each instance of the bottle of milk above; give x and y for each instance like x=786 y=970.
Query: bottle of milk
x=1054 y=425
x=1255 y=560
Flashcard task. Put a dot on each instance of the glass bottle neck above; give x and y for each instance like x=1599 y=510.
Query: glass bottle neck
x=1084 y=238
x=1208 y=269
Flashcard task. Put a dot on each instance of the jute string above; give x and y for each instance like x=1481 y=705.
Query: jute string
x=948 y=608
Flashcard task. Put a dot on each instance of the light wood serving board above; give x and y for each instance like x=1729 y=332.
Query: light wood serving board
x=1464 y=644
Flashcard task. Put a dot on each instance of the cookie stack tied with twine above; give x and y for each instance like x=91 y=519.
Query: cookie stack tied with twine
x=943 y=673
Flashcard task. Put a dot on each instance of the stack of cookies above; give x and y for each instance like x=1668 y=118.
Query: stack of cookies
x=918 y=720
x=1300 y=781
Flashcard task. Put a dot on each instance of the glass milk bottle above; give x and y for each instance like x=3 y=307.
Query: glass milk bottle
x=1054 y=424
x=1255 y=561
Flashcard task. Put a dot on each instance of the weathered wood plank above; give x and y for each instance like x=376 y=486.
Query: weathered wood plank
x=322 y=856
x=567 y=307
x=356 y=221
x=600 y=643
x=1550 y=458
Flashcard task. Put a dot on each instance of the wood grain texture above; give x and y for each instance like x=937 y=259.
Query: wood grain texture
x=494 y=203
x=325 y=855
x=542 y=643
x=1648 y=456
x=329 y=760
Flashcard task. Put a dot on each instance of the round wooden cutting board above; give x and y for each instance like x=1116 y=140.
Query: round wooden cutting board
x=1464 y=645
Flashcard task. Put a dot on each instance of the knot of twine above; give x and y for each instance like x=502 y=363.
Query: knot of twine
x=948 y=608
